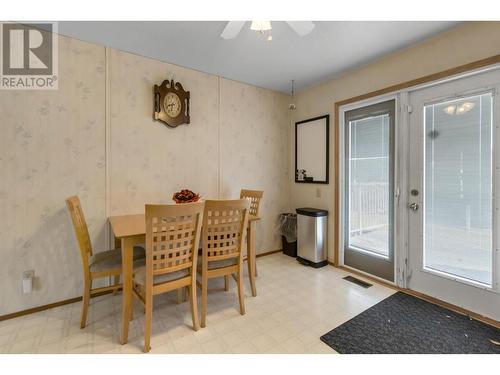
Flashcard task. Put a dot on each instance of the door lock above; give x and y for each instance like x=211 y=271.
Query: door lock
x=413 y=206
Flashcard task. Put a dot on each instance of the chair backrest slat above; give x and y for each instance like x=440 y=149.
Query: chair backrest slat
x=80 y=227
x=172 y=236
x=254 y=196
x=224 y=228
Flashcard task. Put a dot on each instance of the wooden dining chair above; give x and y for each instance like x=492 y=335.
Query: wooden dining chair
x=95 y=265
x=254 y=196
x=224 y=225
x=172 y=238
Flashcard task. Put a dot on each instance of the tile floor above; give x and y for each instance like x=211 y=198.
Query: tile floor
x=295 y=305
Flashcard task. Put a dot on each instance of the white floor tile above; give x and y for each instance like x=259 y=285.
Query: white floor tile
x=295 y=305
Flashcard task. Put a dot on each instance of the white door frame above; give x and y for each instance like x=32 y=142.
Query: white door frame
x=401 y=214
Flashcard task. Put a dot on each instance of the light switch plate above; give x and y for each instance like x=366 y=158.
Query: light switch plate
x=29 y=274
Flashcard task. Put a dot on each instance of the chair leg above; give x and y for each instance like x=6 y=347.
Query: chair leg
x=226 y=283
x=180 y=295
x=251 y=257
x=116 y=282
x=194 y=306
x=87 y=285
x=241 y=292
x=147 y=321
x=204 y=292
x=252 y=271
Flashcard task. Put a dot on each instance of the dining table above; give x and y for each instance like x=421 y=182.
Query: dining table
x=130 y=230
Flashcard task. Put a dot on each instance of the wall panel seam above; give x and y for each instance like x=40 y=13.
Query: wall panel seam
x=107 y=145
x=219 y=100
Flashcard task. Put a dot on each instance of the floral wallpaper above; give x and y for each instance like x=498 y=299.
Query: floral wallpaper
x=254 y=133
x=148 y=160
x=54 y=144
x=52 y=147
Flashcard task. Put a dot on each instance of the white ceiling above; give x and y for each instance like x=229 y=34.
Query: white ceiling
x=331 y=48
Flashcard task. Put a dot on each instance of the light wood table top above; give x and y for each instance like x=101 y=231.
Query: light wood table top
x=128 y=225
x=132 y=225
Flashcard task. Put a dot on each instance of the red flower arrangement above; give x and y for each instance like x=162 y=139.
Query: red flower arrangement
x=185 y=196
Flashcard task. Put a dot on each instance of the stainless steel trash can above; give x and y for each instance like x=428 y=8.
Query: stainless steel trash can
x=312 y=236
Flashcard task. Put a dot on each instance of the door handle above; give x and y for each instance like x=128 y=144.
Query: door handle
x=413 y=206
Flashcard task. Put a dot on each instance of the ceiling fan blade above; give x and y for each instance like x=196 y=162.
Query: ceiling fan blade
x=301 y=27
x=232 y=29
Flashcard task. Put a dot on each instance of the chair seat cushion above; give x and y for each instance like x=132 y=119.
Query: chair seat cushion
x=140 y=276
x=218 y=263
x=112 y=259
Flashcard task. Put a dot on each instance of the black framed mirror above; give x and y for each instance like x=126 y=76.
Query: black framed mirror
x=312 y=150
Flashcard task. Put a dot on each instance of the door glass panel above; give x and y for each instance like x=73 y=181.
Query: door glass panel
x=458 y=188
x=369 y=179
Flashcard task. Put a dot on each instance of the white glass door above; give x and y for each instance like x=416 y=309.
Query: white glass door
x=452 y=206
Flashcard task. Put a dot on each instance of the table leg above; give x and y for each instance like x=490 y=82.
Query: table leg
x=251 y=256
x=127 y=265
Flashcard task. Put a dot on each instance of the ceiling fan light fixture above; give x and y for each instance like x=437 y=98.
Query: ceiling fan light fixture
x=450 y=109
x=260 y=25
x=467 y=106
x=459 y=109
x=233 y=28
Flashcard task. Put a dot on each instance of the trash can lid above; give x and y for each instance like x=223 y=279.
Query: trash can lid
x=308 y=211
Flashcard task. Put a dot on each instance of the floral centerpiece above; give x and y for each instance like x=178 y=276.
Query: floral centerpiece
x=186 y=196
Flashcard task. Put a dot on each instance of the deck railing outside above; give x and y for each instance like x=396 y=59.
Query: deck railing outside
x=369 y=207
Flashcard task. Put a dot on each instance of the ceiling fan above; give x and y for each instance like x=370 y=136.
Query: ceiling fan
x=233 y=28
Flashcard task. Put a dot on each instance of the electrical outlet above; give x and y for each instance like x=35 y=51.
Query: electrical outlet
x=318 y=193
x=28 y=281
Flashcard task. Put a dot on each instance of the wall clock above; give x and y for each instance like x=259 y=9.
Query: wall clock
x=171 y=103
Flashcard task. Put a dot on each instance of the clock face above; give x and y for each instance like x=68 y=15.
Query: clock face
x=172 y=105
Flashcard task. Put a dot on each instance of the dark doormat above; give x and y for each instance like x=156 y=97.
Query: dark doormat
x=403 y=324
